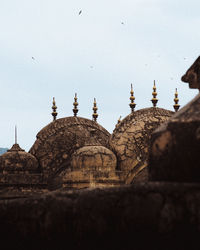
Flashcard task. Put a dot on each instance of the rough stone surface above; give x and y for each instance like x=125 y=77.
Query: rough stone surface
x=143 y=216
x=94 y=158
x=192 y=76
x=17 y=160
x=34 y=180
x=174 y=154
x=78 y=179
x=91 y=166
x=130 y=139
x=60 y=139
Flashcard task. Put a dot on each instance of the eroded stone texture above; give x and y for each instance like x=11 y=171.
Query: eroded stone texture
x=91 y=166
x=17 y=160
x=19 y=168
x=142 y=216
x=93 y=158
x=174 y=153
x=130 y=140
x=60 y=139
x=192 y=76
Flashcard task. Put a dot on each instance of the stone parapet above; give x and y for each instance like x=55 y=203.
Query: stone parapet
x=143 y=216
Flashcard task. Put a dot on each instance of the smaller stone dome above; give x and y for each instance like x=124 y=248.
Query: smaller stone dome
x=94 y=158
x=16 y=160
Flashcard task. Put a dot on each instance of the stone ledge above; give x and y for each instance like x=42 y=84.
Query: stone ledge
x=152 y=215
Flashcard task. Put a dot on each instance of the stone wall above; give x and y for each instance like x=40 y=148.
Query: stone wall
x=143 y=216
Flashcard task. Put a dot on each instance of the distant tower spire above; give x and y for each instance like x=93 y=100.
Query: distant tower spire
x=95 y=115
x=54 y=107
x=75 y=109
x=15 y=134
x=132 y=98
x=176 y=100
x=154 y=94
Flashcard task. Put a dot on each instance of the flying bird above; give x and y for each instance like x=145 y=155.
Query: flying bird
x=33 y=58
x=80 y=12
x=122 y=23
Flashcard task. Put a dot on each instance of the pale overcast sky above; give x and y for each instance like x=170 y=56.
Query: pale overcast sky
x=98 y=53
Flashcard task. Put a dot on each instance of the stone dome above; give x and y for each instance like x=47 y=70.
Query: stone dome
x=96 y=158
x=16 y=160
x=57 y=141
x=130 y=140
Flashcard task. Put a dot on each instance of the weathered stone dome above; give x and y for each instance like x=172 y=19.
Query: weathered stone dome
x=90 y=166
x=61 y=138
x=16 y=160
x=94 y=158
x=130 y=141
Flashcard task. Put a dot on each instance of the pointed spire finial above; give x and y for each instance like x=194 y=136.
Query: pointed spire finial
x=176 y=100
x=154 y=94
x=15 y=134
x=75 y=103
x=95 y=115
x=54 y=107
x=132 y=98
x=119 y=120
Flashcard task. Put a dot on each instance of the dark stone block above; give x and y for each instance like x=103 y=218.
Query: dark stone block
x=142 y=216
x=174 y=151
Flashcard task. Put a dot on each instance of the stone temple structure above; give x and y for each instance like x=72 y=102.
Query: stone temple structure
x=75 y=152
x=159 y=213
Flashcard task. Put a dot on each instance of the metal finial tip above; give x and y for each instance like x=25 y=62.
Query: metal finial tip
x=15 y=134
x=54 y=107
x=154 y=94
x=176 y=100
x=75 y=103
x=154 y=83
x=118 y=121
x=132 y=98
x=95 y=115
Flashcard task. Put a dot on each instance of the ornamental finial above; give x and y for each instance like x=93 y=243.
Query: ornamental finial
x=15 y=134
x=176 y=100
x=54 y=107
x=95 y=115
x=132 y=98
x=154 y=94
x=75 y=109
x=119 y=120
